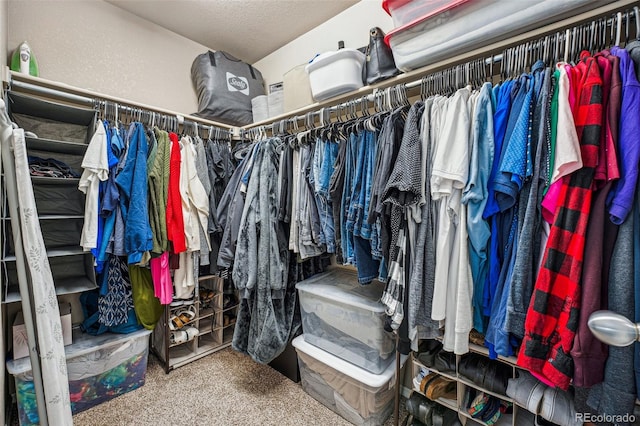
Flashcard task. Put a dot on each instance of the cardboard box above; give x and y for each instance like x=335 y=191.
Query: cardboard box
x=20 y=346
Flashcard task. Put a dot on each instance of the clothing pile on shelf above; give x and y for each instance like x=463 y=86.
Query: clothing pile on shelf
x=148 y=221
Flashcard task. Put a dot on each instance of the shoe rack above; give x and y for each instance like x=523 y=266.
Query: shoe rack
x=208 y=324
x=519 y=416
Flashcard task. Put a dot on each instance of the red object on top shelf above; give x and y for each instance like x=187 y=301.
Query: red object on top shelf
x=405 y=12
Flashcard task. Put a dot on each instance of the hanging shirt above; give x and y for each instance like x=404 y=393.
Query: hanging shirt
x=589 y=354
x=159 y=191
x=108 y=204
x=550 y=327
x=475 y=196
x=403 y=190
x=621 y=197
x=421 y=282
x=453 y=284
x=96 y=169
x=132 y=182
x=175 y=220
x=119 y=145
x=500 y=120
x=195 y=203
x=529 y=220
x=567 y=147
x=203 y=177
x=514 y=167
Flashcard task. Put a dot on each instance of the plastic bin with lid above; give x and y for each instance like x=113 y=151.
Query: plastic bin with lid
x=363 y=398
x=99 y=369
x=346 y=319
x=404 y=12
x=470 y=25
x=334 y=73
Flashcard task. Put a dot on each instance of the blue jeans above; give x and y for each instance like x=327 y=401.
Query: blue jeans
x=359 y=210
x=324 y=158
x=368 y=267
x=357 y=184
x=347 y=193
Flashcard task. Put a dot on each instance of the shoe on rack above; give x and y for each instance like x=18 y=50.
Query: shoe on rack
x=206 y=295
x=192 y=332
x=441 y=388
x=476 y=337
x=229 y=301
x=178 y=336
x=420 y=408
x=228 y=320
x=187 y=315
x=443 y=416
x=175 y=323
x=445 y=362
x=427 y=352
x=176 y=302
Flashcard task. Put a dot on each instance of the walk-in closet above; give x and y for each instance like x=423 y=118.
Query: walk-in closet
x=336 y=212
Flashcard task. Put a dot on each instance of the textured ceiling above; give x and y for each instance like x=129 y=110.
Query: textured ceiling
x=247 y=29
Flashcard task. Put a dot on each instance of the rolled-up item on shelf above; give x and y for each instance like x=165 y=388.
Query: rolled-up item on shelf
x=276 y=103
x=260 y=108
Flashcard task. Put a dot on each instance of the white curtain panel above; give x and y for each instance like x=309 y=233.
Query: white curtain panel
x=49 y=329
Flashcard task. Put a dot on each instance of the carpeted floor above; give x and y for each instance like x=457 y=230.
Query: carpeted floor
x=225 y=388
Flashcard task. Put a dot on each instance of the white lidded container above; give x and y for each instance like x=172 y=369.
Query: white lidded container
x=346 y=319
x=363 y=398
x=334 y=73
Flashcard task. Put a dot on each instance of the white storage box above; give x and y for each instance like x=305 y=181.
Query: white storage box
x=99 y=369
x=333 y=73
x=19 y=331
x=346 y=319
x=470 y=25
x=404 y=12
x=360 y=397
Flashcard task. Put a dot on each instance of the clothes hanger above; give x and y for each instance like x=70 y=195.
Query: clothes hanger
x=627 y=24
x=606 y=42
x=618 y=28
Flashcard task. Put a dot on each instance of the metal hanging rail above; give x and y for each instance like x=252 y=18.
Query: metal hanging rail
x=53 y=90
x=414 y=78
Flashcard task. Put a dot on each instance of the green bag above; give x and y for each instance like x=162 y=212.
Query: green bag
x=147 y=306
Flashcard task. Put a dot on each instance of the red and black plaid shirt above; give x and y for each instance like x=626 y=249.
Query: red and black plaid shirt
x=553 y=313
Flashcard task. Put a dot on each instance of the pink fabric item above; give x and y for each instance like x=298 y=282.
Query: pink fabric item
x=163 y=287
x=542 y=379
x=550 y=201
x=574 y=79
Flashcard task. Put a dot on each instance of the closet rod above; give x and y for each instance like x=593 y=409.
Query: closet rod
x=75 y=95
x=371 y=97
x=413 y=78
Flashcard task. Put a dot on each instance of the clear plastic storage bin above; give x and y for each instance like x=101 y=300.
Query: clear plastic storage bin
x=404 y=12
x=99 y=369
x=360 y=397
x=346 y=319
x=472 y=24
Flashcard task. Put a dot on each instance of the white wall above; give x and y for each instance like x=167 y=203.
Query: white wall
x=3 y=34
x=94 y=45
x=352 y=26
